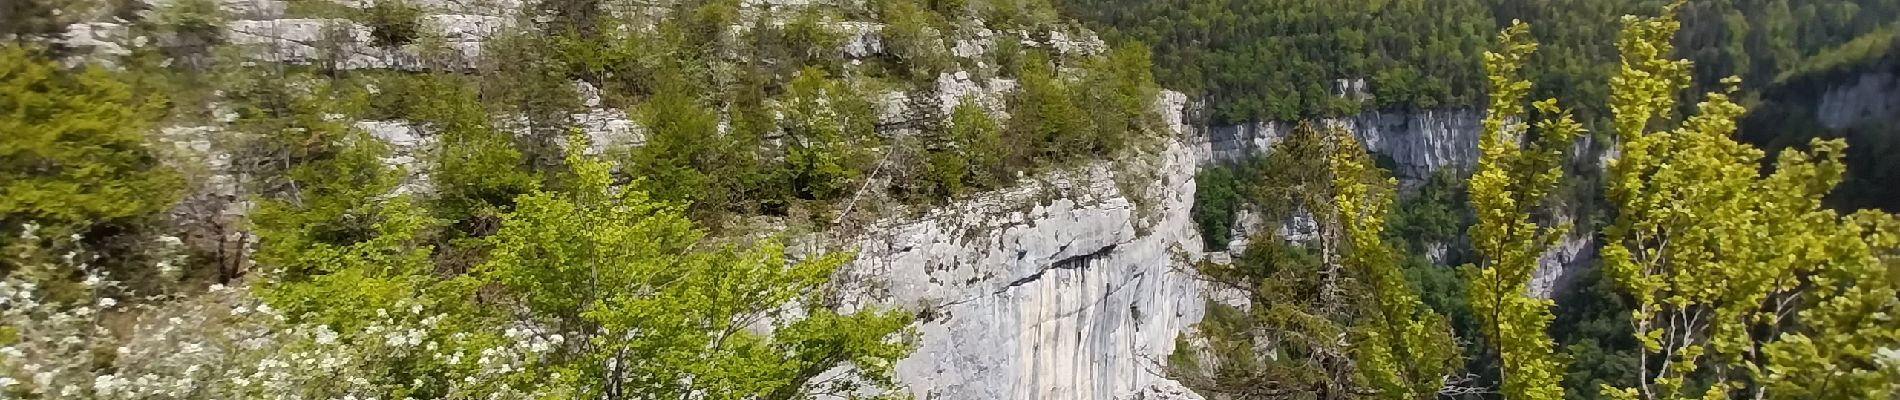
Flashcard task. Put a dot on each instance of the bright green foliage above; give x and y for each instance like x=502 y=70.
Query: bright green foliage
x=1044 y=118
x=475 y=170
x=1744 y=284
x=824 y=124
x=346 y=286
x=1335 y=318
x=330 y=192
x=1510 y=184
x=73 y=152
x=1403 y=349
x=652 y=305
x=973 y=155
x=681 y=150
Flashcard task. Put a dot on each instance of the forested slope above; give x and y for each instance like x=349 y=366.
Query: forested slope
x=1849 y=92
x=1252 y=60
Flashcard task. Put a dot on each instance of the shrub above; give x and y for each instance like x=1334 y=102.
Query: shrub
x=393 y=23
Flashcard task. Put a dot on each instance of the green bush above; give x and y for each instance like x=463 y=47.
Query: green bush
x=393 y=23
x=1044 y=118
x=824 y=124
x=1216 y=200
x=74 y=154
x=910 y=35
x=475 y=170
x=1119 y=95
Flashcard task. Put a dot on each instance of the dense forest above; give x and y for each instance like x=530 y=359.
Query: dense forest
x=1415 y=54
x=202 y=214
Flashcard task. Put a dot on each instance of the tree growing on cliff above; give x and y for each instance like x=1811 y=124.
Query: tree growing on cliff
x=73 y=161
x=1404 y=349
x=824 y=122
x=1329 y=318
x=658 y=311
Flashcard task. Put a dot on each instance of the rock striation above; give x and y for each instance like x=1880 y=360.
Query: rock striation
x=1872 y=96
x=1418 y=143
x=1067 y=287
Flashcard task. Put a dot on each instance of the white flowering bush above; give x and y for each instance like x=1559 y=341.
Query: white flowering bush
x=225 y=343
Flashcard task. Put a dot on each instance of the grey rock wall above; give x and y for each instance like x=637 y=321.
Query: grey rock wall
x=1418 y=142
x=1062 y=288
x=1872 y=96
x=1067 y=300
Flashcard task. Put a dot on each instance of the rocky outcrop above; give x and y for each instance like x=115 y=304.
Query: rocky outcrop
x=1067 y=287
x=345 y=44
x=1872 y=96
x=1418 y=143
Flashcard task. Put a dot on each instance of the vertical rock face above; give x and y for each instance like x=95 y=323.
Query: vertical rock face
x=1065 y=288
x=1872 y=96
x=1417 y=143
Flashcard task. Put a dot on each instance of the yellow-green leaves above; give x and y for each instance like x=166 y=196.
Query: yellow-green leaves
x=1404 y=349
x=1511 y=183
x=1745 y=284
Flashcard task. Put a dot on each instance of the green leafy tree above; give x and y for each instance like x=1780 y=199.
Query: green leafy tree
x=75 y=168
x=323 y=181
x=1118 y=95
x=475 y=170
x=973 y=155
x=1334 y=318
x=1403 y=349
x=824 y=121
x=1510 y=184
x=1744 y=284
x=393 y=23
x=681 y=141
x=660 y=312
x=1044 y=122
x=74 y=153
x=909 y=34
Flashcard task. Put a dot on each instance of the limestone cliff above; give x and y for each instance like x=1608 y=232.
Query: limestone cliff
x=1067 y=287
x=1418 y=143
x=1869 y=97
